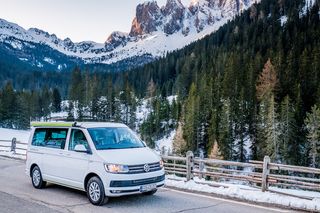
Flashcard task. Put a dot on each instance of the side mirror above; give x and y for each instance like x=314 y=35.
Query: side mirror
x=80 y=148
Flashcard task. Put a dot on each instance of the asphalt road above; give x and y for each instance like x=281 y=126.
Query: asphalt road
x=18 y=195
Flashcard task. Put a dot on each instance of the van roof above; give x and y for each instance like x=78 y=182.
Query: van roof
x=77 y=124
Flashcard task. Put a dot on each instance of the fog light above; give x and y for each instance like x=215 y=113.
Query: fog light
x=115 y=191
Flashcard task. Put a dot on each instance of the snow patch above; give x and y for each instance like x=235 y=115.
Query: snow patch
x=164 y=145
x=23 y=59
x=39 y=64
x=20 y=135
x=62 y=66
x=15 y=44
x=307 y=6
x=283 y=20
x=49 y=60
x=246 y=193
x=172 y=98
x=143 y=111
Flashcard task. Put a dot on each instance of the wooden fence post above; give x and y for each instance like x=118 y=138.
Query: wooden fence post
x=201 y=164
x=265 y=173
x=189 y=162
x=13 y=145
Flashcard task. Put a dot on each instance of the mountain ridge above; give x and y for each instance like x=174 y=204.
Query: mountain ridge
x=155 y=31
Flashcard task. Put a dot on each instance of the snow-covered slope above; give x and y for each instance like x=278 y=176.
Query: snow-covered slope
x=155 y=31
x=20 y=135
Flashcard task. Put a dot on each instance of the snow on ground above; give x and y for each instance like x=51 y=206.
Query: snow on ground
x=165 y=143
x=172 y=98
x=283 y=20
x=12 y=155
x=62 y=114
x=20 y=135
x=143 y=111
x=307 y=6
x=248 y=193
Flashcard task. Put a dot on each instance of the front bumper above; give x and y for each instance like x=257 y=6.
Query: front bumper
x=125 y=184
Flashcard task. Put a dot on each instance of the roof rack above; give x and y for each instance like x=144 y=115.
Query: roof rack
x=54 y=124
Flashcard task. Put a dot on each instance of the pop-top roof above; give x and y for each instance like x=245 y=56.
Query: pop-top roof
x=77 y=124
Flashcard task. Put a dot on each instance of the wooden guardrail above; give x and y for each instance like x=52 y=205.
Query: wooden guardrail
x=13 y=146
x=261 y=174
x=288 y=176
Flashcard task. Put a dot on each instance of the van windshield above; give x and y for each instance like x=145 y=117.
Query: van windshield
x=114 y=138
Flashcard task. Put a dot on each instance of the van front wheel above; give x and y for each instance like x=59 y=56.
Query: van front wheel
x=95 y=192
x=36 y=178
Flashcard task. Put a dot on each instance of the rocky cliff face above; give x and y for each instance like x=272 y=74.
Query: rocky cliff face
x=174 y=16
x=148 y=18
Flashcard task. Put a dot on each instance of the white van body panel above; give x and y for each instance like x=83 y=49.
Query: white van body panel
x=129 y=156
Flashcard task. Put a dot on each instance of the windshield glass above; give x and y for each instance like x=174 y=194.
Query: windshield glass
x=114 y=138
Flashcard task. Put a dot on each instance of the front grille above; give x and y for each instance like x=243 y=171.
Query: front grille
x=136 y=169
x=127 y=183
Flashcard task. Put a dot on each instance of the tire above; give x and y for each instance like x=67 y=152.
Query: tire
x=95 y=192
x=36 y=178
x=150 y=192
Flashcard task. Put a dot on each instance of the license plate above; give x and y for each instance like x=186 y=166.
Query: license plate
x=147 y=188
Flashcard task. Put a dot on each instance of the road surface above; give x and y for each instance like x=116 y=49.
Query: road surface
x=18 y=195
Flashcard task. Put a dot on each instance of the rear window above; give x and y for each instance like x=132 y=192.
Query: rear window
x=52 y=138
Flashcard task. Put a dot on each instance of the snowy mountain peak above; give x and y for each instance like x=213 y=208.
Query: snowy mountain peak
x=155 y=31
x=116 y=35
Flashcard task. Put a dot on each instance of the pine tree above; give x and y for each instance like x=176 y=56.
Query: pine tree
x=151 y=89
x=77 y=92
x=110 y=93
x=117 y=116
x=94 y=97
x=288 y=130
x=268 y=134
x=312 y=123
x=70 y=110
x=267 y=81
x=225 y=137
x=56 y=100
x=8 y=106
x=190 y=130
x=35 y=107
x=272 y=131
x=45 y=102
x=22 y=118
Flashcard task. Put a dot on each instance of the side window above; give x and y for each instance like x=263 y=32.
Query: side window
x=77 y=137
x=52 y=138
x=39 y=137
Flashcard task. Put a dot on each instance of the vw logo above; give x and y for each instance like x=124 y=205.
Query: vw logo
x=146 y=168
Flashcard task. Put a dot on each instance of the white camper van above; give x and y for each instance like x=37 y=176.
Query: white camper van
x=103 y=159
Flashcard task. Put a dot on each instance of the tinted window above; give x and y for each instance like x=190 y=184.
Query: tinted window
x=77 y=137
x=114 y=138
x=52 y=138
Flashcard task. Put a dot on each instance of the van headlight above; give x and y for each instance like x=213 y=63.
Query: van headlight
x=116 y=168
x=161 y=164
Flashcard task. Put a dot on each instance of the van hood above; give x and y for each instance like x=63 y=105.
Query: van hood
x=131 y=156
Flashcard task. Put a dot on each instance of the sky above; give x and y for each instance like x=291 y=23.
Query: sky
x=80 y=20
